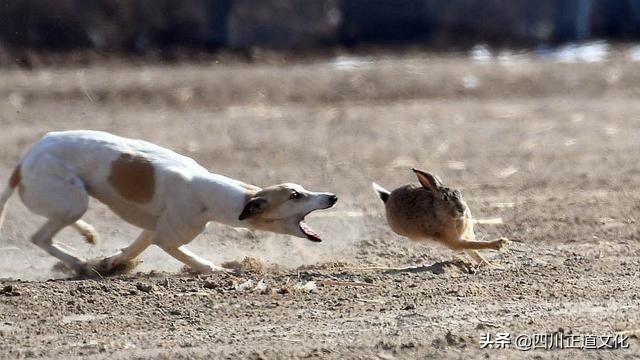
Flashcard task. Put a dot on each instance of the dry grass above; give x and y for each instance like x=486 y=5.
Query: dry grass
x=364 y=79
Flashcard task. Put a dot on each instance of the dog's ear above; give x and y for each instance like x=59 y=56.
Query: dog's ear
x=255 y=206
x=428 y=181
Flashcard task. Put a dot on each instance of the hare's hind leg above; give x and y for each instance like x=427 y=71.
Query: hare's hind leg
x=479 y=259
x=462 y=244
x=470 y=247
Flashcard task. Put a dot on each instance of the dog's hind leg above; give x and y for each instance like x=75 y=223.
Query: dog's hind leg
x=14 y=181
x=43 y=238
x=50 y=189
x=85 y=229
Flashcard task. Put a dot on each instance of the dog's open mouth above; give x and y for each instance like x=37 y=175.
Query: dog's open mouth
x=306 y=229
x=310 y=234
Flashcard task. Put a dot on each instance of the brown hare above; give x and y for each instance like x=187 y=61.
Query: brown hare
x=434 y=211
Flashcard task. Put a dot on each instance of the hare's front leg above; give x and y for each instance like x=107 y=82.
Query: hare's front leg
x=470 y=247
x=463 y=244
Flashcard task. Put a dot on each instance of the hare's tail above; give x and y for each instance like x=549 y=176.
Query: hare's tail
x=8 y=191
x=382 y=192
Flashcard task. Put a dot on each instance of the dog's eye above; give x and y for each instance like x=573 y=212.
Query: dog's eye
x=294 y=195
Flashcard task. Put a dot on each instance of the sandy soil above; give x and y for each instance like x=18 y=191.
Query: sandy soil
x=550 y=148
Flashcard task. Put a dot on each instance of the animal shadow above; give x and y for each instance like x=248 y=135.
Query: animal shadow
x=438 y=268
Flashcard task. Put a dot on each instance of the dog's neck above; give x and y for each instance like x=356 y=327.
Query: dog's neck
x=223 y=198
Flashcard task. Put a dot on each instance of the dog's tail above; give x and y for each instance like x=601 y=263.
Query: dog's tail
x=382 y=192
x=14 y=181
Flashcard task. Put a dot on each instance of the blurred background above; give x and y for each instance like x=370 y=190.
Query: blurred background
x=192 y=28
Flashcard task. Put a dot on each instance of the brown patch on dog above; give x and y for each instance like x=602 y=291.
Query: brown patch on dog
x=133 y=176
x=16 y=177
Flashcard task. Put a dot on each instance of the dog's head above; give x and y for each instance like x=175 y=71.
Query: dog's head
x=282 y=208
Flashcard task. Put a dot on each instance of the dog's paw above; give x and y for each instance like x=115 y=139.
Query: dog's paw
x=501 y=243
x=109 y=266
x=69 y=270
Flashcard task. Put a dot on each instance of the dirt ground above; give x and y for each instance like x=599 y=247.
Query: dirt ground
x=550 y=148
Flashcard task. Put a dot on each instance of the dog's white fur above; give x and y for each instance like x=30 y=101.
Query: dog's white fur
x=57 y=176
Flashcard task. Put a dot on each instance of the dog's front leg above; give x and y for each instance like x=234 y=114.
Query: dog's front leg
x=192 y=260
x=176 y=229
x=175 y=247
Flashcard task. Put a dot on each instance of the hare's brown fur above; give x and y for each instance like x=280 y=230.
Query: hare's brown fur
x=433 y=211
x=411 y=212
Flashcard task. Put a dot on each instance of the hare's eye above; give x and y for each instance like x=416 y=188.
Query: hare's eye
x=294 y=195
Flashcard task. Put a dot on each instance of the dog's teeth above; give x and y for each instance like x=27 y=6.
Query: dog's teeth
x=306 y=229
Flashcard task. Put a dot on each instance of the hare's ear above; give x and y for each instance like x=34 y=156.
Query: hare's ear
x=255 y=206
x=428 y=181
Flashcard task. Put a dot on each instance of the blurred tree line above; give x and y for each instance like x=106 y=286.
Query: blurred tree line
x=141 y=26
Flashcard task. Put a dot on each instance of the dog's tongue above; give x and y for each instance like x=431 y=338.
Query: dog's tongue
x=311 y=235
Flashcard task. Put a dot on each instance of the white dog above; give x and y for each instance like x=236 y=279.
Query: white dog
x=169 y=195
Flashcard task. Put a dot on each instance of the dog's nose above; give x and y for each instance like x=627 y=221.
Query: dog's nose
x=333 y=198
